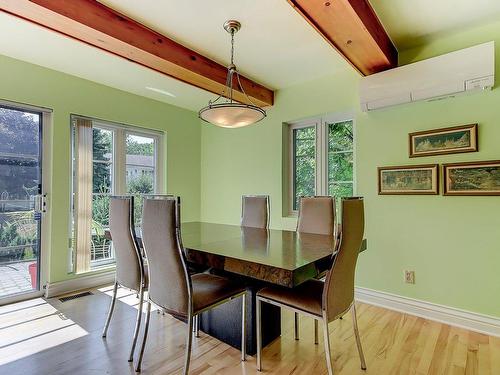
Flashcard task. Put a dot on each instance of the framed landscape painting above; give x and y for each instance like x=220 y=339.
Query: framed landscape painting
x=409 y=180
x=473 y=178
x=444 y=141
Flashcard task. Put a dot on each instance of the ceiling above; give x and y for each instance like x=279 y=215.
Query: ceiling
x=275 y=47
x=412 y=22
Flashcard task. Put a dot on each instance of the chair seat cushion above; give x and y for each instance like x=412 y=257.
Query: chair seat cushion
x=211 y=289
x=306 y=297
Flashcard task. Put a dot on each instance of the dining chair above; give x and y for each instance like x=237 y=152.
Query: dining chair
x=255 y=211
x=131 y=272
x=317 y=216
x=329 y=300
x=187 y=295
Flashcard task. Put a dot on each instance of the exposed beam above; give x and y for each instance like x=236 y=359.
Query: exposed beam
x=353 y=29
x=93 y=23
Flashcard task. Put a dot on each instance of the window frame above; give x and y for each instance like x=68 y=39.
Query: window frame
x=321 y=176
x=118 y=172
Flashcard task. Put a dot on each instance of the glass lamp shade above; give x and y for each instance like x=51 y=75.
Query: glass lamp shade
x=232 y=115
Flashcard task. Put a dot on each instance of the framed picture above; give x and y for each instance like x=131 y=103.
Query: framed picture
x=409 y=179
x=444 y=141
x=473 y=178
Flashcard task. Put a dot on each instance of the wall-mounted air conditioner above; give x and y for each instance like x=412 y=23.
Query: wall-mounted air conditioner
x=470 y=69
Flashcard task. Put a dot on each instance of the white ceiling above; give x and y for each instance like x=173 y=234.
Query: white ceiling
x=413 y=22
x=275 y=46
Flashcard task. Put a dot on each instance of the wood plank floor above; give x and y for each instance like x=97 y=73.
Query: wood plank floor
x=50 y=337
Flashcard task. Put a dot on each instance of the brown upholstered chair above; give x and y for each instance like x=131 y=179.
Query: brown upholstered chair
x=131 y=272
x=316 y=215
x=329 y=300
x=255 y=211
x=171 y=287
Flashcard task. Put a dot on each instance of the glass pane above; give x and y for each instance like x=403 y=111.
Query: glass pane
x=140 y=170
x=102 y=144
x=20 y=176
x=304 y=154
x=100 y=246
x=341 y=190
x=340 y=136
x=340 y=167
x=340 y=159
x=101 y=179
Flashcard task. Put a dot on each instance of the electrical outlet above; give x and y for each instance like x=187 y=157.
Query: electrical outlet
x=410 y=277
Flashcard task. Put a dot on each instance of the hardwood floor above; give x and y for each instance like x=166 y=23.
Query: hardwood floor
x=50 y=337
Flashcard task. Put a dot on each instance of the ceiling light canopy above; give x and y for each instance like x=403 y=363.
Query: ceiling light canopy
x=224 y=111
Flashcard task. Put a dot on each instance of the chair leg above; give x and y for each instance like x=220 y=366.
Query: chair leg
x=296 y=326
x=327 y=346
x=356 y=333
x=316 y=332
x=111 y=309
x=146 y=328
x=243 y=328
x=189 y=342
x=259 y=335
x=137 y=325
x=196 y=326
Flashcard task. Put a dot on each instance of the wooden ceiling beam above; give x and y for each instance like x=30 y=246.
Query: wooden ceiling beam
x=353 y=29
x=97 y=25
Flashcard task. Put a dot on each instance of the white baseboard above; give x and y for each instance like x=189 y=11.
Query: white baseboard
x=79 y=283
x=449 y=315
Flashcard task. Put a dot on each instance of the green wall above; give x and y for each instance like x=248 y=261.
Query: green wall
x=66 y=95
x=452 y=243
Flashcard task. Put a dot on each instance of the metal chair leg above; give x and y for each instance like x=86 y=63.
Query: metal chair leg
x=259 y=335
x=296 y=325
x=316 y=332
x=146 y=328
x=356 y=333
x=243 y=328
x=196 y=326
x=137 y=325
x=111 y=309
x=189 y=342
x=328 y=354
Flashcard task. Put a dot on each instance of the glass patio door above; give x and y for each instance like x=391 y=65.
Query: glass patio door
x=21 y=201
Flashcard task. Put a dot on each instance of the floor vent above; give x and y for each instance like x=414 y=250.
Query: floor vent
x=75 y=296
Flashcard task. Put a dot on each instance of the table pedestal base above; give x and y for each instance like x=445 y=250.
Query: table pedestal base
x=224 y=322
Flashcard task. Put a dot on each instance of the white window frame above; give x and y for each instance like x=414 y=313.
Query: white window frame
x=119 y=173
x=321 y=177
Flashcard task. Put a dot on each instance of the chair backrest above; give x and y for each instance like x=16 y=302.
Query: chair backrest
x=255 y=211
x=338 y=293
x=316 y=215
x=129 y=263
x=169 y=280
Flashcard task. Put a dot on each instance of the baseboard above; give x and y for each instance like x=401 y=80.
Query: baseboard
x=449 y=315
x=79 y=283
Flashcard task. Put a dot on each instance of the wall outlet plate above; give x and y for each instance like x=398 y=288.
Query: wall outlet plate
x=410 y=277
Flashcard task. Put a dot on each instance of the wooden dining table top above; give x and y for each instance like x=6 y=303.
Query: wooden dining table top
x=281 y=257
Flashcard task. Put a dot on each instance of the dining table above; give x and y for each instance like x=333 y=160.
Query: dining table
x=258 y=258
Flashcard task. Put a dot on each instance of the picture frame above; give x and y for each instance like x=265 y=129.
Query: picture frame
x=452 y=140
x=409 y=180
x=477 y=178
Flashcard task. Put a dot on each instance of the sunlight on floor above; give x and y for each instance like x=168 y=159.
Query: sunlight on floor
x=33 y=326
x=126 y=296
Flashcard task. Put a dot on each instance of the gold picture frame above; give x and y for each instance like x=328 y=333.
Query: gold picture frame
x=409 y=180
x=452 y=140
x=477 y=178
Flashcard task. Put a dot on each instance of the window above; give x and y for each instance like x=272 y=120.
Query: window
x=321 y=158
x=124 y=160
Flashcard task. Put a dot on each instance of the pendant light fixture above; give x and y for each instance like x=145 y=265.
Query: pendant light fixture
x=224 y=111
